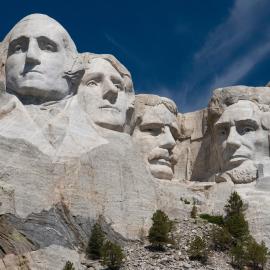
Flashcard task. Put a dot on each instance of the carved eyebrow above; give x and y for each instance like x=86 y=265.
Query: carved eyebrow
x=16 y=41
x=118 y=79
x=222 y=124
x=248 y=121
x=93 y=75
x=48 y=40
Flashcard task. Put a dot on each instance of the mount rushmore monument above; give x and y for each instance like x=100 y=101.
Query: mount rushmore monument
x=77 y=145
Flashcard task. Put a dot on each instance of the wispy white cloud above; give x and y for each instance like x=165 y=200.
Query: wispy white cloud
x=221 y=60
x=130 y=54
x=241 y=67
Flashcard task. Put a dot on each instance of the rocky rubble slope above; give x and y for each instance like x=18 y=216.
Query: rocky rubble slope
x=141 y=256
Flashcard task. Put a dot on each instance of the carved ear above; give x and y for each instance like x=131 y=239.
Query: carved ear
x=75 y=70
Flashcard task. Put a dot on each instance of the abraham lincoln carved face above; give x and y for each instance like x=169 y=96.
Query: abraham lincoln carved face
x=240 y=135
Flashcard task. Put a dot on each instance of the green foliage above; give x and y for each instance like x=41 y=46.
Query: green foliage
x=69 y=266
x=198 y=249
x=221 y=238
x=194 y=211
x=237 y=226
x=256 y=253
x=233 y=234
x=112 y=255
x=186 y=201
x=213 y=219
x=96 y=241
x=238 y=254
x=159 y=232
x=235 y=205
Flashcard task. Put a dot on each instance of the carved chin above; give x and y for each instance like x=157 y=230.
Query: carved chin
x=243 y=174
x=161 y=172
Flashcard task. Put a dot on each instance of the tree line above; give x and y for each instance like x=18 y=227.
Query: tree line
x=229 y=233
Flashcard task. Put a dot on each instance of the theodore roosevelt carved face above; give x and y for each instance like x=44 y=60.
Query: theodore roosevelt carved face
x=40 y=55
x=108 y=91
x=155 y=132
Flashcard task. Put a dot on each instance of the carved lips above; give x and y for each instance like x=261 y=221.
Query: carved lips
x=30 y=71
x=109 y=107
x=162 y=157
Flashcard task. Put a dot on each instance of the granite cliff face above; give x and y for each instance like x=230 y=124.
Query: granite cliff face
x=78 y=146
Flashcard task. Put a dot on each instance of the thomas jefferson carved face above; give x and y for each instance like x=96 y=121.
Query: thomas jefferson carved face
x=155 y=138
x=104 y=95
x=36 y=59
x=240 y=139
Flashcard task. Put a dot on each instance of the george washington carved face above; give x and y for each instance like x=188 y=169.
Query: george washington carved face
x=38 y=55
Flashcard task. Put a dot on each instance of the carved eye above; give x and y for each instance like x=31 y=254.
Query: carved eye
x=222 y=132
x=248 y=129
x=91 y=83
x=153 y=132
x=118 y=86
x=18 y=48
x=49 y=48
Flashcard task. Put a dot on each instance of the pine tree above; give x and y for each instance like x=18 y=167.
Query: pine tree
x=235 y=205
x=68 y=266
x=159 y=232
x=194 y=211
x=199 y=249
x=112 y=255
x=96 y=241
x=263 y=254
x=221 y=238
x=256 y=253
x=237 y=226
x=238 y=254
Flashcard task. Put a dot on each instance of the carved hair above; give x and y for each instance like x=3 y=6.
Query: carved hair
x=153 y=100
x=144 y=100
x=224 y=97
x=74 y=65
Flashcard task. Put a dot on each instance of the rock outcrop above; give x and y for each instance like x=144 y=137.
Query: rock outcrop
x=77 y=146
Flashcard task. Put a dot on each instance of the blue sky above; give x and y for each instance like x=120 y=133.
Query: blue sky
x=179 y=49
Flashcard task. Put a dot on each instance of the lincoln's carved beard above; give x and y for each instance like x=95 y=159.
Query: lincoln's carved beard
x=243 y=174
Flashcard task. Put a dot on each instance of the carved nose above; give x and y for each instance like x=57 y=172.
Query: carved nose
x=109 y=91
x=32 y=55
x=234 y=139
x=167 y=140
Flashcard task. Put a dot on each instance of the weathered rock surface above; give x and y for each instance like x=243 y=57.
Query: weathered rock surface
x=76 y=148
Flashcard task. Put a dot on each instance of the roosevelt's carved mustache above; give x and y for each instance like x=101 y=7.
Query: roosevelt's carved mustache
x=159 y=153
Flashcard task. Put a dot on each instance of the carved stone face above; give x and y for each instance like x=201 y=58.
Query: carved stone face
x=36 y=60
x=239 y=136
x=155 y=138
x=104 y=95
